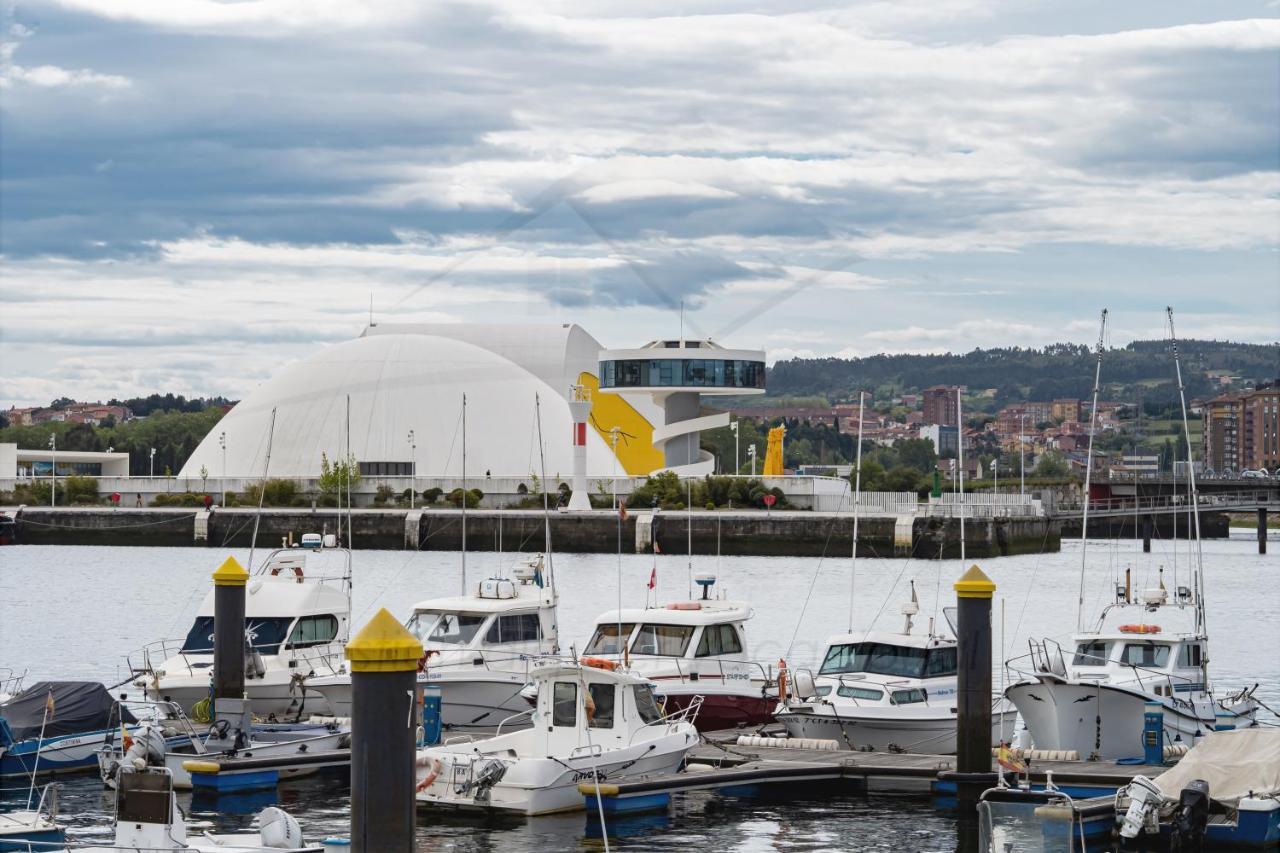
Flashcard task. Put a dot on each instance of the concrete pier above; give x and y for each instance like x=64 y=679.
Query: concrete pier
x=727 y=532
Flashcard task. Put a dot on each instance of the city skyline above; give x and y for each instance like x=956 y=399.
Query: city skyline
x=197 y=193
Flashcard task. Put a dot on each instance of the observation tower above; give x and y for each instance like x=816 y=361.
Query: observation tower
x=677 y=374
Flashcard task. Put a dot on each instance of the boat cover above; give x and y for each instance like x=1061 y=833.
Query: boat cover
x=1234 y=763
x=78 y=706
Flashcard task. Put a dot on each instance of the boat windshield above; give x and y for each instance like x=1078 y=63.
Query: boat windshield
x=265 y=634
x=646 y=705
x=875 y=658
x=605 y=640
x=662 y=640
x=452 y=629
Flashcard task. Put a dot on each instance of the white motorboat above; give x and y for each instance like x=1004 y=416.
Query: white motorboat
x=1144 y=649
x=589 y=723
x=1092 y=699
x=693 y=649
x=479 y=648
x=172 y=741
x=883 y=692
x=148 y=818
x=297 y=620
x=33 y=828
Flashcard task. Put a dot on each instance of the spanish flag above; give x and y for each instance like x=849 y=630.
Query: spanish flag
x=48 y=706
x=125 y=740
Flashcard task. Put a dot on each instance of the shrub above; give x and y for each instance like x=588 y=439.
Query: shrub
x=383 y=494
x=187 y=499
x=78 y=490
x=274 y=493
x=432 y=494
x=473 y=497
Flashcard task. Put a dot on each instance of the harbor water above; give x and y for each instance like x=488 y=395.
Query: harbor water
x=75 y=612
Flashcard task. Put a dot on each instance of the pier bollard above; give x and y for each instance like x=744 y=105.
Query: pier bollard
x=231 y=711
x=973 y=690
x=384 y=674
x=1146 y=534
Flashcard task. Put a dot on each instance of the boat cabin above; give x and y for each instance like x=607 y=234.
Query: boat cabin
x=879 y=666
x=501 y=618
x=579 y=702
x=695 y=631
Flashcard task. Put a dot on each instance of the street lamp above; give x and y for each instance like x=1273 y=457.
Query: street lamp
x=413 y=467
x=153 y=462
x=222 y=442
x=995 y=471
x=53 y=469
x=737 y=464
x=1022 y=454
x=614 y=434
x=751 y=451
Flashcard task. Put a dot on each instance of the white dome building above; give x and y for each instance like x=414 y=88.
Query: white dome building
x=402 y=378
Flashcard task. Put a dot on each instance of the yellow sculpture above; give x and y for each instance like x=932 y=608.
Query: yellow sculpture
x=773 y=455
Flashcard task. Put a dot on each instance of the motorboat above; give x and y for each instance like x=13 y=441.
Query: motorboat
x=1145 y=648
x=689 y=649
x=1091 y=699
x=1224 y=792
x=56 y=727
x=147 y=817
x=883 y=692
x=297 y=621
x=479 y=648
x=33 y=828
x=278 y=743
x=590 y=723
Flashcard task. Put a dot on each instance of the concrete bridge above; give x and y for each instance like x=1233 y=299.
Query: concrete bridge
x=1145 y=505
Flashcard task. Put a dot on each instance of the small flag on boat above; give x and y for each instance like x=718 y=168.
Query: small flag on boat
x=48 y=706
x=622 y=510
x=125 y=740
x=653 y=578
x=1006 y=759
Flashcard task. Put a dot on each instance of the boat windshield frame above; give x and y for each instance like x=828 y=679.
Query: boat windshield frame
x=657 y=631
x=870 y=657
x=427 y=635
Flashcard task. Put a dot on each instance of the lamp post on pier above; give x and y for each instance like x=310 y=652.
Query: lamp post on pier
x=413 y=466
x=222 y=442
x=751 y=451
x=53 y=469
x=153 y=462
x=737 y=463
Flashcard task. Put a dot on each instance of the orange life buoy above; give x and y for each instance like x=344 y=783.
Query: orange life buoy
x=782 y=680
x=431 y=774
x=600 y=663
x=297 y=571
x=1140 y=629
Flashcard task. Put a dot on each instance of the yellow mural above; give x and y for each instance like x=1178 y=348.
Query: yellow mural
x=773 y=455
x=636 y=452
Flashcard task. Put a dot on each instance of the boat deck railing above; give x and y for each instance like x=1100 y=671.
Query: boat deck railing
x=11 y=682
x=692 y=671
x=1047 y=658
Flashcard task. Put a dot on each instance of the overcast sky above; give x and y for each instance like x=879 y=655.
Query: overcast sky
x=195 y=192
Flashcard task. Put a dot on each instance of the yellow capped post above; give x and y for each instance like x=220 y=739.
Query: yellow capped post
x=384 y=721
x=383 y=645
x=974 y=583
x=230 y=573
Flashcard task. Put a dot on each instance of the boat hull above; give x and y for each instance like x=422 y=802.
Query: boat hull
x=62 y=754
x=270 y=696
x=468 y=699
x=721 y=710
x=934 y=734
x=537 y=786
x=1102 y=719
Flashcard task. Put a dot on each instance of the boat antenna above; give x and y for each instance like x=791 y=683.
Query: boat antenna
x=857 y=500
x=347 y=468
x=262 y=491
x=960 y=472
x=546 y=522
x=1088 y=471
x=464 y=493
x=1197 y=567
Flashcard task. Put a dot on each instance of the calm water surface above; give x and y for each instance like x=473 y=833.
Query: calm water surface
x=74 y=612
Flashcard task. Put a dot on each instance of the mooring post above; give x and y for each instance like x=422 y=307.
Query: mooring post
x=384 y=665
x=1262 y=530
x=973 y=694
x=1146 y=534
x=229 y=704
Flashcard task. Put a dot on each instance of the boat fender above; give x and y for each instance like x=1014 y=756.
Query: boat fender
x=698 y=767
x=782 y=680
x=279 y=829
x=432 y=774
x=297 y=571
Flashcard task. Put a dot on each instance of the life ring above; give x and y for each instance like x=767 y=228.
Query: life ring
x=600 y=663
x=431 y=776
x=782 y=680
x=1140 y=629
x=297 y=571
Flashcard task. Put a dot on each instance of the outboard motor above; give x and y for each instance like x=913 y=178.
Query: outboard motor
x=1144 y=808
x=279 y=830
x=1191 y=818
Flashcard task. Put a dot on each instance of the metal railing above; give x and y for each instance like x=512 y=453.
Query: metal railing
x=1042 y=663
x=692 y=671
x=1163 y=504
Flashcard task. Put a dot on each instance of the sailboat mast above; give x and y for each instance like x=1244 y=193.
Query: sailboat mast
x=1194 y=495
x=464 y=493
x=546 y=525
x=262 y=492
x=857 y=501
x=960 y=471
x=1088 y=470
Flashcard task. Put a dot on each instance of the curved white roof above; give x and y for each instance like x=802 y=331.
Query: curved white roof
x=710 y=612
x=399 y=383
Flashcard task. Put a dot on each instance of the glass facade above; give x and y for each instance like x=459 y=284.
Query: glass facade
x=681 y=373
